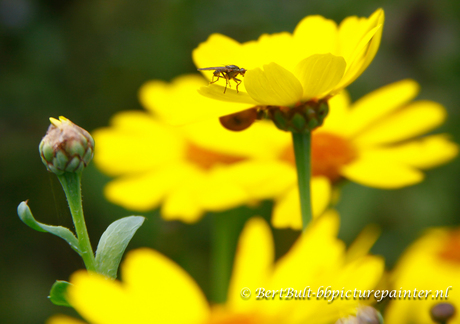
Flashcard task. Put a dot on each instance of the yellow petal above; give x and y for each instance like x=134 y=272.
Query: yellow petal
x=253 y=263
x=188 y=105
x=216 y=92
x=270 y=48
x=379 y=103
x=316 y=250
x=415 y=119
x=263 y=179
x=102 y=301
x=363 y=243
x=135 y=142
x=424 y=153
x=63 y=319
x=339 y=110
x=219 y=190
x=319 y=74
x=155 y=282
x=286 y=212
x=219 y=50
x=373 y=172
x=262 y=140
x=316 y=35
x=360 y=40
x=145 y=191
x=274 y=85
x=181 y=203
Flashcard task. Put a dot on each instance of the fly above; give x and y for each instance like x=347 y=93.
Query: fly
x=228 y=72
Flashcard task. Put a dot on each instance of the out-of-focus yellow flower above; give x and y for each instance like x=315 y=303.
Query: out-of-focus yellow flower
x=194 y=168
x=316 y=61
x=432 y=264
x=154 y=288
x=373 y=142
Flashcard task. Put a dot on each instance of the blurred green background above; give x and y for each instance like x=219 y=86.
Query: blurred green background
x=87 y=59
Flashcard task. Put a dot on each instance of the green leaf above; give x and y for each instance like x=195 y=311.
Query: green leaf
x=26 y=216
x=113 y=243
x=58 y=293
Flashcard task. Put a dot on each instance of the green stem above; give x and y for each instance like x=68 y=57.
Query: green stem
x=223 y=247
x=71 y=182
x=302 y=151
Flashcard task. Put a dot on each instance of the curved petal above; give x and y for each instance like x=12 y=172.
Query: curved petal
x=415 y=119
x=373 y=172
x=423 y=153
x=153 y=282
x=319 y=74
x=146 y=144
x=286 y=213
x=379 y=103
x=63 y=319
x=145 y=191
x=253 y=263
x=216 y=92
x=179 y=102
x=359 y=58
x=274 y=85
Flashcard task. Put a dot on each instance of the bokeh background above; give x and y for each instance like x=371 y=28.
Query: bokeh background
x=86 y=60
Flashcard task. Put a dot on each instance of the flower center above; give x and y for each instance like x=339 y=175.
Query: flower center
x=330 y=153
x=206 y=159
x=450 y=252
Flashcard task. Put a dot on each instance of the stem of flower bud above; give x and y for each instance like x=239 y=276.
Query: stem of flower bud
x=71 y=183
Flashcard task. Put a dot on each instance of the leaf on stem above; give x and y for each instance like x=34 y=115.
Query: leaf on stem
x=58 y=293
x=26 y=216
x=113 y=243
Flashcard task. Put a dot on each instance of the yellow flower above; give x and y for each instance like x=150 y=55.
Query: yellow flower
x=316 y=61
x=431 y=263
x=191 y=169
x=373 y=142
x=156 y=290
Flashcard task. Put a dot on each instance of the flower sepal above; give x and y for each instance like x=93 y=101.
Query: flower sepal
x=302 y=118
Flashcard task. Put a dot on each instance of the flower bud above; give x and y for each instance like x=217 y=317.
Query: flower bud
x=364 y=315
x=442 y=312
x=66 y=147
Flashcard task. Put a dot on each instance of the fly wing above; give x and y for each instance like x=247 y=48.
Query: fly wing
x=210 y=68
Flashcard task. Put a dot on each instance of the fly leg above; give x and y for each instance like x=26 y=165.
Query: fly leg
x=238 y=82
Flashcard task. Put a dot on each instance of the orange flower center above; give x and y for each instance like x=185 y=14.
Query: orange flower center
x=206 y=159
x=450 y=252
x=330 y=153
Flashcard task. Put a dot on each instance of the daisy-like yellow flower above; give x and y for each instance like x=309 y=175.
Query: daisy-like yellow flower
x=191 y=169
x=432 y=263
x=374 y=142
x=285 y=70
x=154 y=288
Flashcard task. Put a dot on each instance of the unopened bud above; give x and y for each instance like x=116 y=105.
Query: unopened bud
x=364 y=315
x=66 y=147
x=442 y=312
